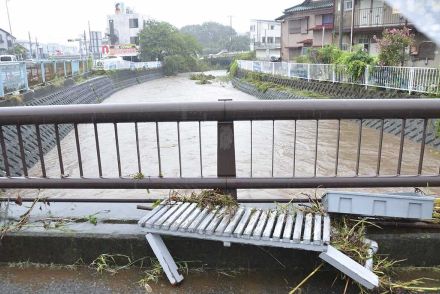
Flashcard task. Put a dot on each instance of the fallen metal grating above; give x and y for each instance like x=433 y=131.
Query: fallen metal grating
x=260 y=227
x=247 y=225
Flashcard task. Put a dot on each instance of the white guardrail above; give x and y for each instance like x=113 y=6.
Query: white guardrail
x=411 y=79
x=123 y=64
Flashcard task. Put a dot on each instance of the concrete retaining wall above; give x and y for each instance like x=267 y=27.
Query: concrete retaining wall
x=413 y=128
x=90 y=92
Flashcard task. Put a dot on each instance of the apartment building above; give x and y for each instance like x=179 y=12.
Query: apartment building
x=124 y=25
x=361 y=20
x=265 y=36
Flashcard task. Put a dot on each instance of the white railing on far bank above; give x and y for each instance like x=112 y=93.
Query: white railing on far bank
x=411 y=79
x=115 y=64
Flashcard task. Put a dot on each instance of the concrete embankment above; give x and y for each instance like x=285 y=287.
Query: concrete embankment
x=413 y=127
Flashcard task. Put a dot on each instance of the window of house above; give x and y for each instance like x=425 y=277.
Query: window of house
x=348 y=5
x=252 y=28
x=272 y=27
x=134 y=40
x=295 y=26
x=133 y=23
x=365 y=41
x=304 y=26
x=277 y=40
x=305 y=50
x=270 y=40
x=327 y=19
x=263 y=40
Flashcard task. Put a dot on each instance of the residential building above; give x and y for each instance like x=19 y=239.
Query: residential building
x=124 y=26
x=307 y=25
x=265 y=36
x=364 y=19
x=6 y=41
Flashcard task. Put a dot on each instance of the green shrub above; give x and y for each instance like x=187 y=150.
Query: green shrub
x=233 y=69
x=175 y=64
x=327 y=55
x=302 y=59
x=355 y=62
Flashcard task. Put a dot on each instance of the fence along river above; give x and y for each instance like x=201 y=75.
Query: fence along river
x=270 y=140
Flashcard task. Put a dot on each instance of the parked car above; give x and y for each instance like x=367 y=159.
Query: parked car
x=7 y=58
x=275 y=59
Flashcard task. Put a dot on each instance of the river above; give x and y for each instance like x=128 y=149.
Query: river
x=181 y=88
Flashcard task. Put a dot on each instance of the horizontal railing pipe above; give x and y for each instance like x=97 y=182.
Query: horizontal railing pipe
x=221 y=111
x=220 y=183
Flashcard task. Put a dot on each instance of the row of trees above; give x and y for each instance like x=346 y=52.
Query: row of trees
x=215 y=37
x=180 y=49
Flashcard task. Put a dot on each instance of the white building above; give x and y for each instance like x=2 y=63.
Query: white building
x=6 y=41
x=265 y=38
x=124 y=26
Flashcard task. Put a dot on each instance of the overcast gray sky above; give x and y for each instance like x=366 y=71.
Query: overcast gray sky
x=57 y=20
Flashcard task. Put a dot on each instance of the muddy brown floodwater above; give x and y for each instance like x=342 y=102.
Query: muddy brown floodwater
x=180 y=88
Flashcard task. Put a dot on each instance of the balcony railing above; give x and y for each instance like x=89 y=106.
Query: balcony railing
x=374 y=17
x=260 y=45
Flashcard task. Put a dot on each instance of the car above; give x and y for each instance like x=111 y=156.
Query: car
x=7 y=58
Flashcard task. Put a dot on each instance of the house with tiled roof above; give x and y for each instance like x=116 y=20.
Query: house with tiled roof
x=307 y=25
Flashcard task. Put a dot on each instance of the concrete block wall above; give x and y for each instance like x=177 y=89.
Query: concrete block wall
x=91 y=91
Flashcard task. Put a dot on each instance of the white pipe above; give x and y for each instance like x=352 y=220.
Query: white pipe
x=374 y=247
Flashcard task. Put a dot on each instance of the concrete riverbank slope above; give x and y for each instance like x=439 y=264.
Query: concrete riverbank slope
x=94 y=90
x=413 y=128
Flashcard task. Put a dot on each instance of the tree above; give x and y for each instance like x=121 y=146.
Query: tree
x=392 y=46
x=240 y=43
x=164 y=42
x=159 y=39
x=215 y=37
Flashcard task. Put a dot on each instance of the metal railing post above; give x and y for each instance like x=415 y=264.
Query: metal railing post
x=308 y=72
x=2 y=91
x=55 y=69
x=25 y=76
x=333 y=73
x=65 y=69
x=288 y=69
x=273 y=68
x=411 y=80
x=43 y=72
x=226 y=151
x=367 y=72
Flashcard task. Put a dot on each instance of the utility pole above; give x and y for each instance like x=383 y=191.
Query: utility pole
x=85 y=44
x=341 y=22
x=9 y=20
x=30 y=44
x=352 y=25
x=90 y=40
x=230 y=38
x=230 y=20
x=36 y=49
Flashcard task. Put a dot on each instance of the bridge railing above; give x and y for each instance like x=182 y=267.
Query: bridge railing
x=30 y=131
x=411 y=79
